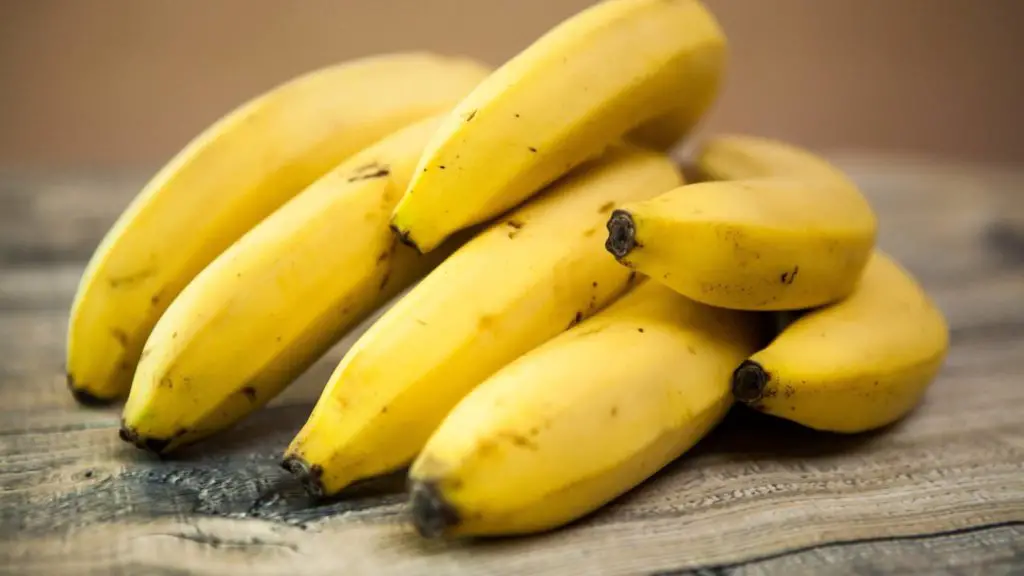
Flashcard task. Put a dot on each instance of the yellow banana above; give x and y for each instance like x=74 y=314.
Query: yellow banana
x=277 y=299
x=225 y=181
x=784 y=230
x=741 y=157
x=596 y=76
x=704 y=78
x=581 y=419
x=522 y=281
x=855 y=365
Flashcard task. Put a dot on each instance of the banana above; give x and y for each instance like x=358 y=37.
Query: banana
x=585 y=84
x=859 y=364
x=783 y=230
x=705 y=77
x=742 y=157
x=581 y=419
x=277 y=299
x=225 y=181
x=519 y=283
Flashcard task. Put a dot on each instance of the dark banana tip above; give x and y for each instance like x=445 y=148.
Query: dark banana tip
x=404 y=237
x=432 y=515
x=308 y=476
x=621 y=234
x=154 y=445
x=86 y=398
x=749 y=381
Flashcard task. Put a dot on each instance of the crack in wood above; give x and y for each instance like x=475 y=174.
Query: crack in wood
x=212 y=540
x=733 y=567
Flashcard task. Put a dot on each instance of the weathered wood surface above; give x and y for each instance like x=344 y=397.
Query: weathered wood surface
x=940 y=492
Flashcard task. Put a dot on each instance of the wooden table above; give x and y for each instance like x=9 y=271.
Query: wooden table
x=940 y=492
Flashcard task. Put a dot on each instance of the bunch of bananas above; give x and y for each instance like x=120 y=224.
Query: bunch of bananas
x=536 y=368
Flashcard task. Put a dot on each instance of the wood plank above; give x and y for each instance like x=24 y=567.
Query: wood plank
x=51 y=217
x=994 y=551
x=758 y=496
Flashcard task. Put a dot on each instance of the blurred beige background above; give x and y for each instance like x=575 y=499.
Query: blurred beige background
x=128 y=82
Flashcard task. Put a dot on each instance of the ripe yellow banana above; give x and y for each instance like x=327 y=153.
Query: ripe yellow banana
x=225 y=181
x=741 y=157
x=586 y=83
x=277 y=299
x=784 y=230
x=855 y=365
x=522 y=281
x=581 y=419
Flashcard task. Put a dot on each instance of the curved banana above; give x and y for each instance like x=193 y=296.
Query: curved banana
x=517 y=284
x=596 y=76
x=742 y=157
x=784 y=230
x=581 y=419
x=225 y=181
x=276 y=300
x=859 y=364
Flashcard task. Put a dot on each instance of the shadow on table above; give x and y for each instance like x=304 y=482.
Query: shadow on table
x=746 y=433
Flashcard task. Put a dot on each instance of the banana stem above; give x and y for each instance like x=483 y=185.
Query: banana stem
x=308 y=476
x=431 y=514
x=621 y=234
x=749 y=381
x=149 y=444
x=86 y=398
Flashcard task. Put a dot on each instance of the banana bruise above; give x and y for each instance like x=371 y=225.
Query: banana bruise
x=276 y=300
x=650 y=68
x=226 y=180
x=782 y=230
x=855 y=365
x=581 y=419
x=529 y=276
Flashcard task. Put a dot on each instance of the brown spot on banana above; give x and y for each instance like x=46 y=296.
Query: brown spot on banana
x=250 y=393
x=576 y=319
x=121 y=336
x=486 y=322
x=519 y=440
x=787 y=278
x=130 y=279
x=516 y=226
x=369 y=172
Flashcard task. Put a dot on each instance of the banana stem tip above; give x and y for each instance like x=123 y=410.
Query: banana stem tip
x=307 y=475
x=153 y=445
x=621 y=234
x=84 y=397
x=432 y=515
x=749 y=381
x=404 y=237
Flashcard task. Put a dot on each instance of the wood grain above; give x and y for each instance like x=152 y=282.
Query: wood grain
x=940 y=492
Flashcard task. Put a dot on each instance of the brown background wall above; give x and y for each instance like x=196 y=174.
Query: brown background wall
x=109 y=82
